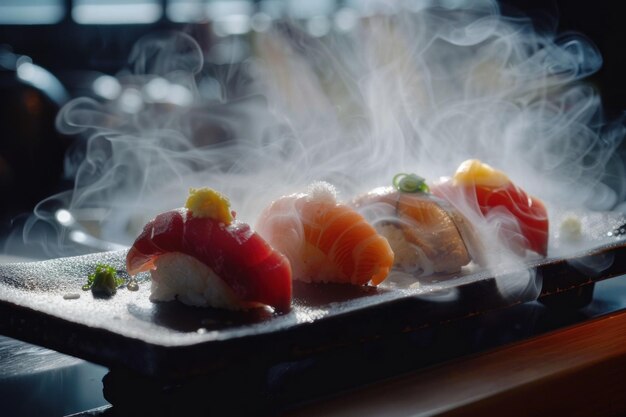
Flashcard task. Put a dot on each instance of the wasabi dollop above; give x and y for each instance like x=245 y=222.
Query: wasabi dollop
x=104 y=281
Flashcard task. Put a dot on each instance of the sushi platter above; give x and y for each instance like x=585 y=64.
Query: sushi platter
x=43 y=303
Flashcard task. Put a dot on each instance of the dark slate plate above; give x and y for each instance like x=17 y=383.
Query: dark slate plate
x=174 y=340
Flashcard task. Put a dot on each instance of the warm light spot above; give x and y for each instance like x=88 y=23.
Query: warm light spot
x=260 y=22
x=32 y=102
x=157 y=89
x=130 y=101
x=318 y=26
x=64 y=217
x=181 y=11
x=78 y=236
x=115 y=13
x=24 y=12
x=180 y=95
x=236 y=24
x=346 y=19
x=107 y=87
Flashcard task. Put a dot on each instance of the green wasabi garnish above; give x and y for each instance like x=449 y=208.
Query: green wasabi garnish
x=104 y=281
x=410 y=183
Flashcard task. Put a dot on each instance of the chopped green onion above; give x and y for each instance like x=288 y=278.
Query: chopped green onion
x=103 y=281
x=410 y=183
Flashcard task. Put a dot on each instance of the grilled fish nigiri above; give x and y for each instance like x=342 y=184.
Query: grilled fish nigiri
x=427 y=236
x=523 y=219
x=325 y=241
x=202 y=256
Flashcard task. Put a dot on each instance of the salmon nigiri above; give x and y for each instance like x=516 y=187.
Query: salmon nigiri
x=426 y=234
x=325 y=241
x=202 y=256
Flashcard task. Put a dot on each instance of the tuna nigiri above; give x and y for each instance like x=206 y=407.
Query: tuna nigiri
x=325 y=241
x=426 y=234
x=523 y=218
x=202 y=256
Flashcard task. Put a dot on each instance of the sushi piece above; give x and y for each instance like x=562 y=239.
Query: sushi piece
x=202 y=256
x=325 y=241
x=426 y=234
x=523 y=218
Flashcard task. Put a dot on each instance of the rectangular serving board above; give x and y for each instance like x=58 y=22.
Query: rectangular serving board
x=172 y=340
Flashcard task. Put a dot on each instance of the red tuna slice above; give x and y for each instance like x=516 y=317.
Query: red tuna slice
x=529 y=212
x=249 y=265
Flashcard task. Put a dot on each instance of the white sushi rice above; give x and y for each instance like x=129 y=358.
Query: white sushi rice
x=184 y=278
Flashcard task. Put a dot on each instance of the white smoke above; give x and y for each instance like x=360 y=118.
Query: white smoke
x=418 y=90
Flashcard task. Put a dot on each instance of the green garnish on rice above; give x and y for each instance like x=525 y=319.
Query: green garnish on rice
x=410 y=183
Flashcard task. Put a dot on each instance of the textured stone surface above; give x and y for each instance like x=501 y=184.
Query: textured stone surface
x=39 y=304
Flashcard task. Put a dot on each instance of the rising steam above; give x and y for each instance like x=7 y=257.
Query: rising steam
x=417 y=91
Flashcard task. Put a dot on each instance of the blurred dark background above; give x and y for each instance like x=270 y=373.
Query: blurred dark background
x=603 y=23
x=53 y=50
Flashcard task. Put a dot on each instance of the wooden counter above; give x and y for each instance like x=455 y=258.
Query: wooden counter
x=576 y=371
